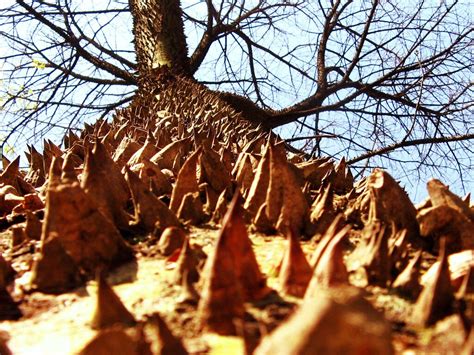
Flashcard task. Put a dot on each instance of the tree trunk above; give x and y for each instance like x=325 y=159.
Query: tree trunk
x=165 y=81
x=159 y=35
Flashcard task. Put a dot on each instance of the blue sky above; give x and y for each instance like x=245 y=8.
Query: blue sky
x=121 y=37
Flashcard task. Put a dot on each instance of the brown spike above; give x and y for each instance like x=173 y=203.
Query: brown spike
x=150 y=213
x=258 y=190
x=467 y=199
x=166 y=157
x=105 y=184
x=88 y=130
x=322 y=210
x=36 y=174
x=315 y=170
x=295 y=272
x=231 y=275
x=189 y=295
x=441 y=196
x=4 y=349
x=69 y=139
x=46 y=148
x=253 y=282
x=329 y=234
x=460 y=267
x=330 y=270
x=10 y=172
x=244 y=174
x=227 y=157
x=5 y=162
x=12 y=176
x=261 y=222
x=187 y=263
x=68 y=168
x=343 y=179
x=392 y=204
x=66 y=275
x=397 y=249
x=191 y=209
x=450 y=222
x=48 y=157
x=18 y=236
x=124 y=151
x=54 y=175
x=146 y=152
x=221 y=298
x=220 y=209
x=286 y=205
x=121 y=132
x=408 y=281
x=465 y=285
x=90 y=238
x=79 y=150
x=307 y=193
x=9 y=199
x=214 y=171
x=152 y=176
x=33 y=226
x=436 y=300
x=166 y=342
x=109 y=141
x=177 y=164
x=211 y=198
x=371 y=254
x=103 y=129
x=255 y=145
x=335 y=321
x=109 y=308
x=468 y=348
x=186 y=181
x=55 y=150
x=171 y=239
x=116 y=341
x=378 y=263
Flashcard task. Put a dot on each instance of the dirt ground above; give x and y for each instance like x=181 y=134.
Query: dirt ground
x=61 y=324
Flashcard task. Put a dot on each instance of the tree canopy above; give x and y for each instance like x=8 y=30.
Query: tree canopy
x=383 y=83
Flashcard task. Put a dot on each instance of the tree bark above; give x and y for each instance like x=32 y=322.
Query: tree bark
x=164 y=75
x=159 y=35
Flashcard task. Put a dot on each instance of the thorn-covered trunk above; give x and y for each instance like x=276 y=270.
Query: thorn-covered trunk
x=159 y=35
x=165 y=80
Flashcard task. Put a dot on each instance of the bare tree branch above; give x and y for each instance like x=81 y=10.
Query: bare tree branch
x=379 y=82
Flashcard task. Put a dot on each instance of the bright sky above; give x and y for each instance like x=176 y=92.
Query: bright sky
x=416 y=188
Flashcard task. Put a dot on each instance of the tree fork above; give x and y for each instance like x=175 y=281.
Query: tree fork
x=164 y=66
x=164 y=71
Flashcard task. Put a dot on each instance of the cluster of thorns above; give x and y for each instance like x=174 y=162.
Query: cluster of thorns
x=84 y=209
